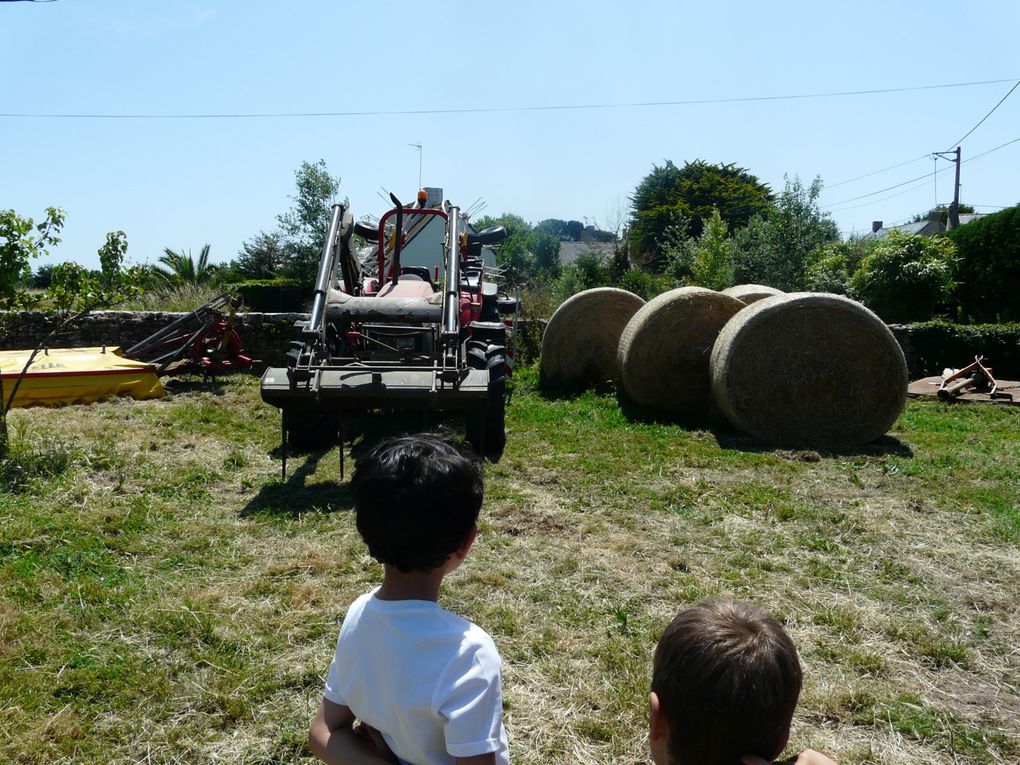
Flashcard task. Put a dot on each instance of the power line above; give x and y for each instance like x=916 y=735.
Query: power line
x=891 y=196
x=925 y=177
x=918 y=178
x=925 y=182
x=957 y=143
x=923 y=156
x=986 y=153
x=500 y=109
x=876 y=172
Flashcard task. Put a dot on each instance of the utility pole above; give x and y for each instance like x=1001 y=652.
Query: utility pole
x=954 y=209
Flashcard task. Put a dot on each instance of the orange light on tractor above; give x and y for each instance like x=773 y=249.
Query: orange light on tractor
x=422 y=197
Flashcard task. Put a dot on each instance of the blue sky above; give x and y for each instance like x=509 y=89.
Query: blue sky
x=181 y=183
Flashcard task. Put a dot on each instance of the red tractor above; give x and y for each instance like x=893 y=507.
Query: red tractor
x=408 y=336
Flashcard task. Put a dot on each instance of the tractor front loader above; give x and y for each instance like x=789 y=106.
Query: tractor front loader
x=402 y=338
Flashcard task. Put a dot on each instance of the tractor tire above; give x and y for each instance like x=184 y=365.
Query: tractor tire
x=486 y=431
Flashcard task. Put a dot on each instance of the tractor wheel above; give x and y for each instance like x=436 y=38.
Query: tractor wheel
x=486 y=431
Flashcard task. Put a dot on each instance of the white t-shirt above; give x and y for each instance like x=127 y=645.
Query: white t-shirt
x=426 y=679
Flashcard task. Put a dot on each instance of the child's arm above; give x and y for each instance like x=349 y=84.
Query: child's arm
x=333 y=740
x=807 y=757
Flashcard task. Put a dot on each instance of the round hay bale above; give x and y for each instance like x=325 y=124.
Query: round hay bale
x=751 y=293
x=580 y=341
x=665 y=349
x=809 y=368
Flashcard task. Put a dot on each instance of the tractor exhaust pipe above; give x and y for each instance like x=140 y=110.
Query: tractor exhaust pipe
x=398 y=237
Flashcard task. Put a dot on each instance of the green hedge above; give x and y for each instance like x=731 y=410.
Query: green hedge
x=272 y=295
x=940 y=345
x=988 y=267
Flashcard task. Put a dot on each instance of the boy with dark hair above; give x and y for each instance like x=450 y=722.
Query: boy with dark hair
x=725 y=682
x=408 y=677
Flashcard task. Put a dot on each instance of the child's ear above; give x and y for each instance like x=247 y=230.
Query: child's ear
x=658 y=730
x=463 y=551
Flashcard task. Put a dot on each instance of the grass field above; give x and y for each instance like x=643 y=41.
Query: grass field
x=165 y=598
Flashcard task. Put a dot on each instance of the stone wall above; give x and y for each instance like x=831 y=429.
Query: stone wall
x=265 y=336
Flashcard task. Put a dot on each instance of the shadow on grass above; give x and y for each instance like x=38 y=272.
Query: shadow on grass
x=713 y=421
x=194 y=383
x=295 y=495
x=883 y=446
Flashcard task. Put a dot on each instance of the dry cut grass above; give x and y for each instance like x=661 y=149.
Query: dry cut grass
x=165 y=598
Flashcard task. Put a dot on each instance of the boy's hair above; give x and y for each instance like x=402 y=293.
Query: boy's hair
x=727 y=678
x=416 y=499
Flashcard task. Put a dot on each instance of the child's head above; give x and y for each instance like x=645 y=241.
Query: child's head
x=417 y=500
x=725 y=681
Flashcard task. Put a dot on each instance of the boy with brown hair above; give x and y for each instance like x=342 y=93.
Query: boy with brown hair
x=410 y=680
x=725 y=682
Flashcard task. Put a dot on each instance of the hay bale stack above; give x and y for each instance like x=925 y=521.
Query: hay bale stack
x=751 y=293
x=665 y=349
x=581 y=339
x=809 y=368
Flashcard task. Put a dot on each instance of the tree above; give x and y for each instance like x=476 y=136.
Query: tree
x=833 y=265
x=989 y=266
x=670 y=194
x=304 y=227
x=775 y=248
x=184 y=269
x=18 y=247
x=906 y=278
x=515 y=254
x=545 y=248
x=712 y=255
x=260 y=257
x=74 y=291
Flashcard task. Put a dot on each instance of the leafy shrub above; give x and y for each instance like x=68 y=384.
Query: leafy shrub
x=940 y=344
x=906 y=278
x=272 y=295
x=989 y=267
x=833 y=265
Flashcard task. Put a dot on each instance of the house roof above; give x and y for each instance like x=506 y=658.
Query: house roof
x=569 y=251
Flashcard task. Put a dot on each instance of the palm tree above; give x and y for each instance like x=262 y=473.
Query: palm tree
x=183 y=269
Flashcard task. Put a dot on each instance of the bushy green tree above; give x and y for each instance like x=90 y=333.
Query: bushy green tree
x=304 y=227
x=670 y=193
x=261 y=257
x=833 y=265
x=989 y=267
x=706 y=260
x=906 y=278
x=528 y=253
x=21 y=241
x=775 y=248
